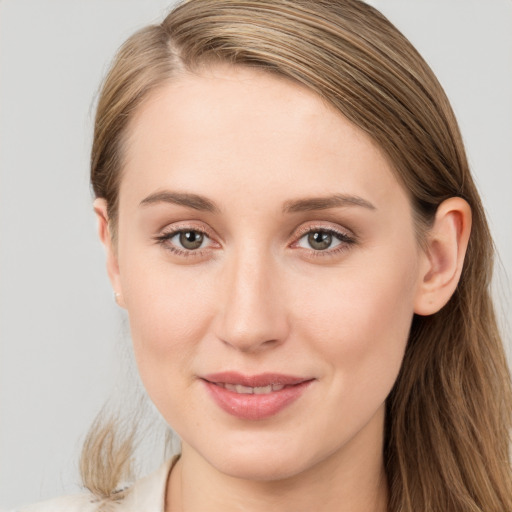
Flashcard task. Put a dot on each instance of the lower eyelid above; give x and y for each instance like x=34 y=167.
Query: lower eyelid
x=340 y=248
x=186 y=253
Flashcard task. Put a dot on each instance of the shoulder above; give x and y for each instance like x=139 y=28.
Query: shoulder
x=85 y=502
x=77 y=503
x=146 y=495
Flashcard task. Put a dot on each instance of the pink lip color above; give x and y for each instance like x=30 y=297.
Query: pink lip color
x=254 y=406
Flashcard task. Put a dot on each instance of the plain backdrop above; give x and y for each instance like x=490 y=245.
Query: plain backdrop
x=61 y=334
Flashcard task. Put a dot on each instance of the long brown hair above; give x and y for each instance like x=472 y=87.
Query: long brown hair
x=448 y=416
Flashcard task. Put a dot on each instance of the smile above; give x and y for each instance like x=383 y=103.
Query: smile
x=254 y=397
x=247 y=390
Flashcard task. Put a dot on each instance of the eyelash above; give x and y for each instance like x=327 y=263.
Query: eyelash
x=345 y=241
x=164 y=239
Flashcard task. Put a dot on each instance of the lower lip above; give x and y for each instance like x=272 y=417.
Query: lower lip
x=254 y=406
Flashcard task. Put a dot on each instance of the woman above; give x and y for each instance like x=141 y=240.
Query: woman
x=291 y=225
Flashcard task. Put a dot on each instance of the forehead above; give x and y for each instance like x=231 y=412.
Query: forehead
x=251 y=131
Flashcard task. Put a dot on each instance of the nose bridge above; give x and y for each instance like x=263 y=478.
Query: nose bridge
x=252 y=316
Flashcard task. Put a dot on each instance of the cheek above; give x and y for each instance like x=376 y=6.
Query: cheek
x=359 y=319
x=170 y=311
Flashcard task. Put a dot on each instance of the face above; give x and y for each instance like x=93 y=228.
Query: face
x=267 y=258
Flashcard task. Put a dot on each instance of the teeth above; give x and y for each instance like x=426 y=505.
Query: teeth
x=262 y=390
x=247 y=390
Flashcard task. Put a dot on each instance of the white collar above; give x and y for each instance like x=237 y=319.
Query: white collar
x=148 y=493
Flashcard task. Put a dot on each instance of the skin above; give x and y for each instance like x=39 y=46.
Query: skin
x=257 y=297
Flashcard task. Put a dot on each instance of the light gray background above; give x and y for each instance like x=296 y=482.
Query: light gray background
x=59 y=327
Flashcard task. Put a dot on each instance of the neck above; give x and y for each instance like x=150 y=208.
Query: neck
x=350 y=480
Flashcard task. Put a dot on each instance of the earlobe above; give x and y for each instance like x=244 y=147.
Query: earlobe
x=100 y=208
x=443 y=258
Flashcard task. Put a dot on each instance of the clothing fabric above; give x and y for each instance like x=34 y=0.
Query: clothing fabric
x=145 y=495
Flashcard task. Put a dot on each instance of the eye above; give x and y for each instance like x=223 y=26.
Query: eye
x=185 y=241
x=319 y=240
x=328 y=241
x=189 y=240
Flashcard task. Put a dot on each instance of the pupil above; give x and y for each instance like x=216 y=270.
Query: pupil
x=319 y=240
x=191 y=239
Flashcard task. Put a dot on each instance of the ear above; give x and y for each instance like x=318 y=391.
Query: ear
x=100 y=208
x=443 y=258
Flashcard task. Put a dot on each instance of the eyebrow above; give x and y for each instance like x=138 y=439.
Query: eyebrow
x=324 y=203
x=193 y=201
x=202 y=203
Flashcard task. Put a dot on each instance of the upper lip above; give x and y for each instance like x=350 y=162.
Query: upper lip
x=253 y=381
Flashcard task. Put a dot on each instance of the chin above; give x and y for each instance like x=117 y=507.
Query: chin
x=260 y=461
x=259 y=468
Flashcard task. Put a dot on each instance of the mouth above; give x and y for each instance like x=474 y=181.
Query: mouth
x=254 y=397
x=248 y=390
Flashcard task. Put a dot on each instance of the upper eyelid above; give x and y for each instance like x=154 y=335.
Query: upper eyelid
x=303 y=230
x=343 y=238
x=295 y=233
x=300 y=231
x=174 y=229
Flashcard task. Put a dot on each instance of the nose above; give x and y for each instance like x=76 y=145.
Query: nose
x=252 y=316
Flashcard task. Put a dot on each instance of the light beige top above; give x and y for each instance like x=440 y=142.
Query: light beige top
x=146 y=495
